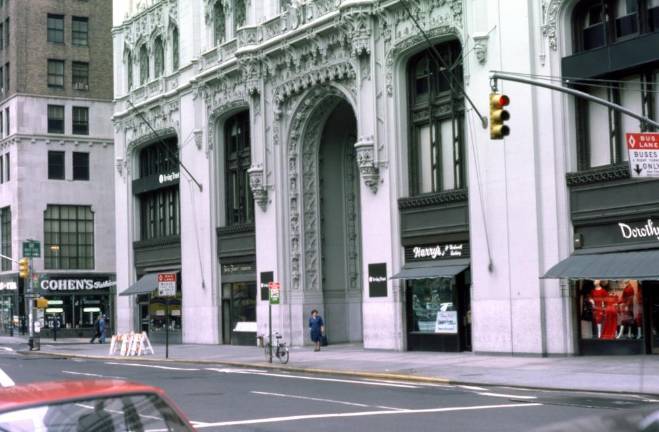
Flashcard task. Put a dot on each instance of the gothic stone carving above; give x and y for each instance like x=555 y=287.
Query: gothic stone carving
x=365 y=148
x=549 y=28
x=257 y=185
x=480 y=47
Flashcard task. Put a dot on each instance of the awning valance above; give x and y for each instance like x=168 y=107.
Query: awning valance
x=146 y=284
x=641 y=265
x=432 y=269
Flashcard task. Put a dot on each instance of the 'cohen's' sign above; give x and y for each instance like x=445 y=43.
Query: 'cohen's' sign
x=74 y=284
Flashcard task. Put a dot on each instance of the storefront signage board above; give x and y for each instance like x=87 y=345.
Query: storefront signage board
x=8 y=286
x=447 y=322
x=31 y=249
x=274 y=292
x=377 y=280
x=643 y=150
x=436 y=252
x=166 y=284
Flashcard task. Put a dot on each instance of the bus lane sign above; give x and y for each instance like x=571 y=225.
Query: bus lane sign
x=643 y=150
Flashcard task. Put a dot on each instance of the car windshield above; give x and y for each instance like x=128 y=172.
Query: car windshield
x=134 y=413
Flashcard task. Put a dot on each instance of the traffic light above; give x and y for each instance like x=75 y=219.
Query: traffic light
x=41 y=303
x=498 y=115
x=23 y=268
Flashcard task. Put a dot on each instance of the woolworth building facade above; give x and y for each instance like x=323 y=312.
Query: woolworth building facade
x=330 y=147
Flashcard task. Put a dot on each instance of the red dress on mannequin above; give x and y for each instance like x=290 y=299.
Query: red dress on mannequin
x=598 y=295
x=610 y=317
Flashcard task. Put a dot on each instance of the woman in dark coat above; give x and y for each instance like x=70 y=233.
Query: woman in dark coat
x=316 y=327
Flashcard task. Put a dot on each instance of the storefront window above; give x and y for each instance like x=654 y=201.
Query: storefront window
x=433 y=306
x=158 y=313
x=59 y=308
x=611 y=309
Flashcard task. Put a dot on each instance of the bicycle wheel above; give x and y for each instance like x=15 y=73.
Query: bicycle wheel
x=282 y=354
x=267 y=351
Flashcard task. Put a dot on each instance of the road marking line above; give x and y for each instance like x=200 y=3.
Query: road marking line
x=501 y=395
x=363 y=414
x=372 y=383
x=321 y=400
x=7 y=349
x=472 y=388
x=411 y=383
x=5 y=381
x=237 y=370
x=92 y=374
x=151 y=366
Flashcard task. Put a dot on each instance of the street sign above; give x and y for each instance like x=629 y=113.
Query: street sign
x=31 y=249
x=643 y=149
x=274 y=292
x=166 y=284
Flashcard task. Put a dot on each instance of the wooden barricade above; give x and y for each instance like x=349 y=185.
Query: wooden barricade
x=131 y=344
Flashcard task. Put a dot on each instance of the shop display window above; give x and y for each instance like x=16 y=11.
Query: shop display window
x=433 y=306
x=158 y=313
x=610 y=309
x=59 y=308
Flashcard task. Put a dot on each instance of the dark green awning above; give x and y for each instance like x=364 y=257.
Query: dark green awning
x=641 y=265
x=146 y=284
x=432 y=270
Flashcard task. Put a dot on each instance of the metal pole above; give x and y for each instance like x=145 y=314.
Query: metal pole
x=269 y=328
x=505 y=77
x=30 y=306
x=167 y=327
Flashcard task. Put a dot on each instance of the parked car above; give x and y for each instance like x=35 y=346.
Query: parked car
x=90 y=406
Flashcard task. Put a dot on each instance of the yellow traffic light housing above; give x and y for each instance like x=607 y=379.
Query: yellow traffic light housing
x=498 y=115
x=24 y=268
x=42 y=303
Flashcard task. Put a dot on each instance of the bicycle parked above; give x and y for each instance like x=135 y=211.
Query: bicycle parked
x=280 y=350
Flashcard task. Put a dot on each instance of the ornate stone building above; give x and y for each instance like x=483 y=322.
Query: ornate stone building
x=328 y=146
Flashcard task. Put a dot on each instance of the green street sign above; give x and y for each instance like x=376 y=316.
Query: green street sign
x=31 y=249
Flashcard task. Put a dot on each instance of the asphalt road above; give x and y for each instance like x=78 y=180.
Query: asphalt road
x=232 y=399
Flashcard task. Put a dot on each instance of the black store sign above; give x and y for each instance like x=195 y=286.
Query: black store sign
x=266 y=278
x=229 y=269
x=377 y=280
x=436 y=252
x=620 y=233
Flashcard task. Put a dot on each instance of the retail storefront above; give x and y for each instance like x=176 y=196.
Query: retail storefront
x=75 y=302
x=9 y=311
x=615 y=278
x=239 y=303
x=437 y=282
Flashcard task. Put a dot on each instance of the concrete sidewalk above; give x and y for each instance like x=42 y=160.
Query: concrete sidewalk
x=628 y=374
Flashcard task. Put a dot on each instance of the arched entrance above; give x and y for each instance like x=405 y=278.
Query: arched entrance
x=338 y=205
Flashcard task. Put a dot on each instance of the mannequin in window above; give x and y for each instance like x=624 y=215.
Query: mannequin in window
x=626 y=306
x=598 y=295
x=610 y=324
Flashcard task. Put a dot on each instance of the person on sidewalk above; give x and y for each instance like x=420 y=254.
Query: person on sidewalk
x=317 y=328
x=97 y=329
x=102 y=326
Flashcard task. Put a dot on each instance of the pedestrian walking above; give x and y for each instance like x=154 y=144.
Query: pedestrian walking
x=102 y=326
x=316 y=328
x=97 y=329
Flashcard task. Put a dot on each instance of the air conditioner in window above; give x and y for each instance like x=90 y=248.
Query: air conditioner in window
x=80 y=86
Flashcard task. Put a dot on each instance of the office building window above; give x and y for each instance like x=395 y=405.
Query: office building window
x=55 y=28
x=240 y=203
x=219 y=22
x=7 y=167
x=2 y=169
x=2 y=78
x=7 y=76
x=2 y=125
x=159 y=61
x=7 y=33
x=175 y=49
x=80 y=31
x=159 y=158
x=129 y=70
x=5 y=236
x=56 y=165
x=80 y=166
x=2 y=36
x=68 y=237
x=80 y=76
x=56 y=119
x=8 y=123
x=159 y=213
x=144 y=65
x=436 y=118
x=80 y=120
x=56 y=73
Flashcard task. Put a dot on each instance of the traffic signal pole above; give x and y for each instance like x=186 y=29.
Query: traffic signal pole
x=496 y=75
